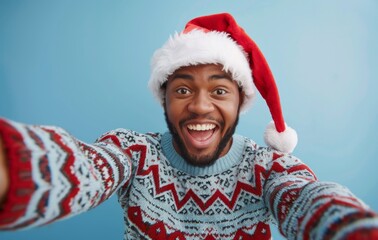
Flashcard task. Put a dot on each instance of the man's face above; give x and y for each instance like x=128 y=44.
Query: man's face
x=201 y=109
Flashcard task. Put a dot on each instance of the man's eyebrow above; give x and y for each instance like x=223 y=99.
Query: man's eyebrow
x=221 y=76
x=190 y=77
x=182 y=76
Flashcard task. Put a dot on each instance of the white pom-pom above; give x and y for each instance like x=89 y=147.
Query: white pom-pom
x=284 y=141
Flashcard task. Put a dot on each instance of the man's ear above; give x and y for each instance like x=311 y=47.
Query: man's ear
x=163 y=89
x=241 y=97
x=164 y=102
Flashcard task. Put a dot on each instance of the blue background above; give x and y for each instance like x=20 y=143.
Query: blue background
x=84 y=66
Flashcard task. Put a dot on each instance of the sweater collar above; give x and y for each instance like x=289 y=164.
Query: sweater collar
x=233 y=157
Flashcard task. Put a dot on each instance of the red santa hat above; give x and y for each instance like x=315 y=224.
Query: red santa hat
x=219 y=39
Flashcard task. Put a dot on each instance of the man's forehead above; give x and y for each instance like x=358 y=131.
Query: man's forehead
x=213 y=71
x=204 y=65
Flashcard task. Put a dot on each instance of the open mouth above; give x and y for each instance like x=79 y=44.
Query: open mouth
x=201 y=133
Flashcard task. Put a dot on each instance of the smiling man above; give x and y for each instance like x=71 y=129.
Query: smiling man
x=199 y=180
x=202 y=106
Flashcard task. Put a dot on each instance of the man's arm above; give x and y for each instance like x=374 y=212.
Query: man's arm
x=53 y=175
x=4 y=181
x=306 y=208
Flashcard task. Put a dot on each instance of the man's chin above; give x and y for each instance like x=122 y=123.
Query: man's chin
x=199 y=160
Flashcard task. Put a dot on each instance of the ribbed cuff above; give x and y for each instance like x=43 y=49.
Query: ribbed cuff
x=21 y=185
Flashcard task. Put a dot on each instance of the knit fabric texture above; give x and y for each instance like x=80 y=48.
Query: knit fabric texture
x=55 y=176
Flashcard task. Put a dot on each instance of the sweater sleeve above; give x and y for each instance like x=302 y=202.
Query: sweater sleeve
x=54 y=176
x=306 y=208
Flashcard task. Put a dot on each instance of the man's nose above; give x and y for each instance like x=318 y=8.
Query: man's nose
x=201 y=103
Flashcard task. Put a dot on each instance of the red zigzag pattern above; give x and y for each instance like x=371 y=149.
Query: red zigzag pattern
x=190 y=195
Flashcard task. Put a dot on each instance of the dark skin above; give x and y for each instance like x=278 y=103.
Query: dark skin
x=202 y=106
x=4 y=180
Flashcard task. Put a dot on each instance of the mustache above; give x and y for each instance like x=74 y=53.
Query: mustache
x=194 y=116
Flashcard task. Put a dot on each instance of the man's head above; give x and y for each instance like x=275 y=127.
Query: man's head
x=213 y=45
x=201 y=105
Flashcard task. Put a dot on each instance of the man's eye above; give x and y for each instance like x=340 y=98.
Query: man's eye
x=183 y=91
x=220 y=92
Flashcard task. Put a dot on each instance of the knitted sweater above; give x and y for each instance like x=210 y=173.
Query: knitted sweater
x=55 y=176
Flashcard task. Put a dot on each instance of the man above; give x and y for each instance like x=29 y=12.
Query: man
x=197 y=181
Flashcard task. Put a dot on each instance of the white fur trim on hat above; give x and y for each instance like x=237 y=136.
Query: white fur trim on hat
x=282 y=141
x=199 y=47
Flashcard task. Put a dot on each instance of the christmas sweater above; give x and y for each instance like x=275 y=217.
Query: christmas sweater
x=55 y=176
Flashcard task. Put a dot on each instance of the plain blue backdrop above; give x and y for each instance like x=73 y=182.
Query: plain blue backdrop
x=84 y=66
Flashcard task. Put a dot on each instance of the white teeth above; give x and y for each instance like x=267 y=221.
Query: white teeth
x=201 y=127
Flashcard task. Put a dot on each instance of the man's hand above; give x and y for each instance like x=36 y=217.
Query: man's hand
x=4 y=180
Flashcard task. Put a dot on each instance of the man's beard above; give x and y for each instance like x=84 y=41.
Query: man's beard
x=206 y=160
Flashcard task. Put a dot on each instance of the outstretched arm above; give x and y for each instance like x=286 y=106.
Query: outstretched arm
x=4 y=181
x=306 y=208
x=53 y=175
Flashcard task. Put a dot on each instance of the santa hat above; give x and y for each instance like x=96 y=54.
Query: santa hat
x=219 y=39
